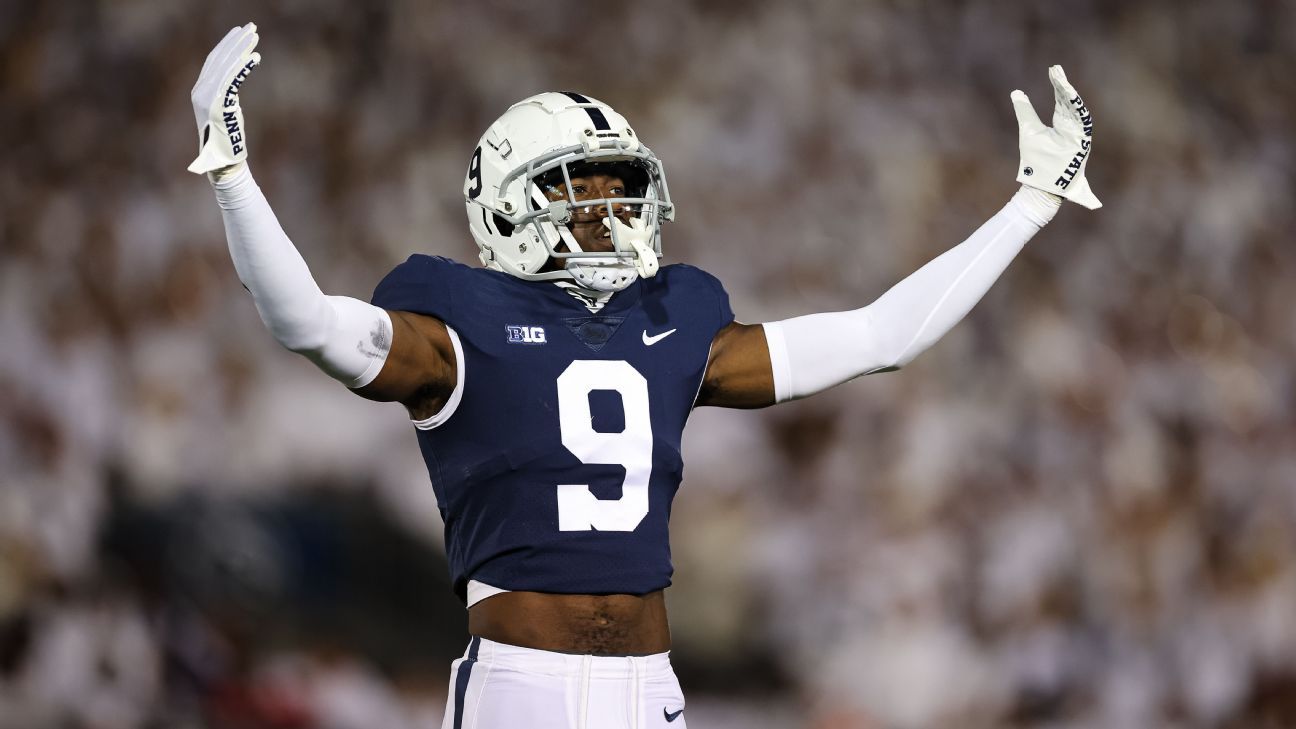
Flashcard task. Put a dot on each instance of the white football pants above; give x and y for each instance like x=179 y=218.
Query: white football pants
x=498 y=686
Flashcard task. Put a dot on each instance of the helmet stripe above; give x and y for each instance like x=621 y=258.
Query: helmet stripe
x=595 y=114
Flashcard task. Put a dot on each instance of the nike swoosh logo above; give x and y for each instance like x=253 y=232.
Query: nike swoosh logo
x=669 y=716
x=650 y=341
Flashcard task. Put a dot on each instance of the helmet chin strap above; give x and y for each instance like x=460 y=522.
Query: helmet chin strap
x=600 y=275
x=607 y=275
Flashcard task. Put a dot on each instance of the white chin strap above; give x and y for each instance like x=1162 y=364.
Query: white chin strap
x=605 y=274
x=600 y=274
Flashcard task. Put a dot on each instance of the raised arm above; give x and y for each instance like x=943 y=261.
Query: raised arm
x=758 y=365
x=381 y=355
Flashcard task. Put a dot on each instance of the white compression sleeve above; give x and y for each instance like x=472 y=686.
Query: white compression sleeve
x=812 y=353
x=347 y=338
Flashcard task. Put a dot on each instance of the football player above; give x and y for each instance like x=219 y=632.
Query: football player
x=550 y=386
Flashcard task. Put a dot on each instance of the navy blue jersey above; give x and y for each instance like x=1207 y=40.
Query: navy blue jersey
x=555 y=469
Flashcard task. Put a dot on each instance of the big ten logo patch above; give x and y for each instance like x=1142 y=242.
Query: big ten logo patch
x=525 y=335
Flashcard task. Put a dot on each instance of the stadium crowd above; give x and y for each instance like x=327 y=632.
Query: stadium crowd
x=1078 y=510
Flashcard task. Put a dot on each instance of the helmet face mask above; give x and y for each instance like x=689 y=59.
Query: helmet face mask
x=538 y=145
x=635 y=176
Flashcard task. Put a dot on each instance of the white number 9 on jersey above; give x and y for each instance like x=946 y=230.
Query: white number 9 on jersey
x=578 y=509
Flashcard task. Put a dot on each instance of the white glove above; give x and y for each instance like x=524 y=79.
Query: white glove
x=1053 y=158
x=221 y=138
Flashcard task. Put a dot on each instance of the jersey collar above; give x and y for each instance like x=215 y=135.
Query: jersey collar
x=597 y=301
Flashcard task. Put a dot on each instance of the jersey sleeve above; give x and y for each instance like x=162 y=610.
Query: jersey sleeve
x=724 y=311
x=422 y=284
x=718 y=306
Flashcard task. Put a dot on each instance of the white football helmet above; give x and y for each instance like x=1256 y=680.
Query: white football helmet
x=537 y=143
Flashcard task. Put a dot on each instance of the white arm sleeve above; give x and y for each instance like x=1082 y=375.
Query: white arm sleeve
x=347 y=338
x=812 y=353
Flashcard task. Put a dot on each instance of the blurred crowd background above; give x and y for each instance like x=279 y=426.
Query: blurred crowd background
x=1077 y=510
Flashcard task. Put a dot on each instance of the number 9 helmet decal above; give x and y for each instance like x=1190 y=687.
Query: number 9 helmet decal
x=548 y=139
